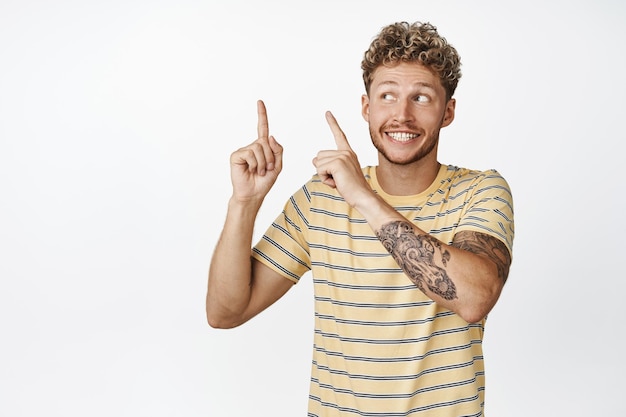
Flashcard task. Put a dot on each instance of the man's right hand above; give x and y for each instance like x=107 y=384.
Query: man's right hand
x=254 y=168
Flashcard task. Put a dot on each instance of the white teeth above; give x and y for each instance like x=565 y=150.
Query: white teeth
x=402 y=136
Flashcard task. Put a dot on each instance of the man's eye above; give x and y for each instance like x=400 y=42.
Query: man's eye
x=422 y=99
x=387 y=97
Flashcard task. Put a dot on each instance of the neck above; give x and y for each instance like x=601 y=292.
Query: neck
x=408 y=179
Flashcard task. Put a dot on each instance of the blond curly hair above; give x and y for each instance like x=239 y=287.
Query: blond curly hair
x=413 y=42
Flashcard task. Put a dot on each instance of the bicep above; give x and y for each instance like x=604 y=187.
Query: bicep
x=267 y=286
x=486 y=246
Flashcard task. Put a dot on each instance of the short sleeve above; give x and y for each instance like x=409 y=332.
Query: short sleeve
x=284 y=246
x=490 y=208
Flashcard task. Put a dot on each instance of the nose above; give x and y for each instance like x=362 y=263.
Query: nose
x=403 y=111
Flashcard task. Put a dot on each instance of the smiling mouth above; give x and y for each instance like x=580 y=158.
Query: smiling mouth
x=402 y=136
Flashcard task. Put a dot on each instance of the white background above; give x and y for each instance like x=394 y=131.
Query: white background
x=117 y=119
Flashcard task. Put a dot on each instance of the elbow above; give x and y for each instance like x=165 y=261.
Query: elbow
x=218 y=316
x=476 y=310
x=473 y=315
x=217 y=320
x=215 y=323
x=220 y=323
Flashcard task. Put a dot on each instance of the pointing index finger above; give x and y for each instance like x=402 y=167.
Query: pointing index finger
x=340 y=138
x=263 y=129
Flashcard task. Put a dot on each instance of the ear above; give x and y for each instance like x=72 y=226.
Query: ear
x=448 y=115
x=365 y=107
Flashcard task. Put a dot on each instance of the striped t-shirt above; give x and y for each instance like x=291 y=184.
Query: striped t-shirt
x=381 y=347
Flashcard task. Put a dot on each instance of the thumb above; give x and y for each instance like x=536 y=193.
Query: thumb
x=340 y=137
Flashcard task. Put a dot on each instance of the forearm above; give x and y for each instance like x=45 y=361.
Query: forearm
x=458 y=278
x=229 y=288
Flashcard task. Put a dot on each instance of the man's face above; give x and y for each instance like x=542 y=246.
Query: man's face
x=405 y=109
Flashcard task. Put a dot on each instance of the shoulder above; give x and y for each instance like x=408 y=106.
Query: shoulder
x=488 y=202
x=461 y=173
x=477 y=181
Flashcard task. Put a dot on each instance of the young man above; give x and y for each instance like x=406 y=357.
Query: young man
x=407 y=257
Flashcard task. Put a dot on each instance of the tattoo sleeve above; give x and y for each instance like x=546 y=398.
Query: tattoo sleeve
x=488 y=246
x=417 y=254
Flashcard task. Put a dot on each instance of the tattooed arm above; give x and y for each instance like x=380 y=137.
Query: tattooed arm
x=466 y=277
x=488 y=246
x=415 y=254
